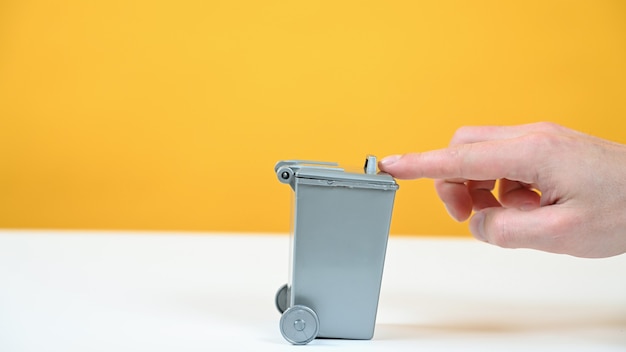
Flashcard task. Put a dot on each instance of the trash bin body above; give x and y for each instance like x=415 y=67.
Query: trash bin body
x=338 y=243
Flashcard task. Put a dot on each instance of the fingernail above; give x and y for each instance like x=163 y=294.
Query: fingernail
x=477 y=226
x=390 y=160
x=528 y=206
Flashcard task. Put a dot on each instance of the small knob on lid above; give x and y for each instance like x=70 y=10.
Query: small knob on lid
x=370 y=165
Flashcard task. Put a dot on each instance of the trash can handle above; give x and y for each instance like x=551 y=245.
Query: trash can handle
x=370 y=165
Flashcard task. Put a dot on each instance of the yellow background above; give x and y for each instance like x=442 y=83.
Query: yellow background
x=170 y=115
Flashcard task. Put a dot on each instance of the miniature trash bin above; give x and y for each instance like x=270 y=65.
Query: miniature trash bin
x=340 y=226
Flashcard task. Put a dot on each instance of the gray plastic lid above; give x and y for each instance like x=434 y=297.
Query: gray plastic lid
x=330 y=174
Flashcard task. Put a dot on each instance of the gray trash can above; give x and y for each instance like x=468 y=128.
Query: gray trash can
x=340 y=227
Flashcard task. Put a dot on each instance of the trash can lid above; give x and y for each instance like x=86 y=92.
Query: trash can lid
x=334 y=175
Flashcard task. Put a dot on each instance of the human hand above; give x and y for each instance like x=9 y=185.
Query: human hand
x=559 y=190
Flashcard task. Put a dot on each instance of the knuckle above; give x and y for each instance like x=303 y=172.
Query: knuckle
x=503 y=234
x=539 y=139
x=459 y=159
x=548 y=127
x=461 y=131
x=462 y=135
x=452 y=155
x=562 y=230
x=542 y=142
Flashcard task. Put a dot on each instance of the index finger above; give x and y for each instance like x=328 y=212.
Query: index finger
x=514 y=159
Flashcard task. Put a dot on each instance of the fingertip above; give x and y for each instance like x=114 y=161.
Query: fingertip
x=455 y=198
x=477 y=226
x=458 y=213
x=388 y=161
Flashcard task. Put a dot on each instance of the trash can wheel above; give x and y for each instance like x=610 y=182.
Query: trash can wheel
x=299 y=325
x=282 y=298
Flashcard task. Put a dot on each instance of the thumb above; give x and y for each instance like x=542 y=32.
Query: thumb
x=543 y=228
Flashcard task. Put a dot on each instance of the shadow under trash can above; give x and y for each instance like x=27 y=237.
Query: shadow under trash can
x=340 y=228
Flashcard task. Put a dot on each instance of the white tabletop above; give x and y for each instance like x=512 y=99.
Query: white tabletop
x=96 y=291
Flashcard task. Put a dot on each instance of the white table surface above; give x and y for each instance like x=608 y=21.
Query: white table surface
x=104 y=291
